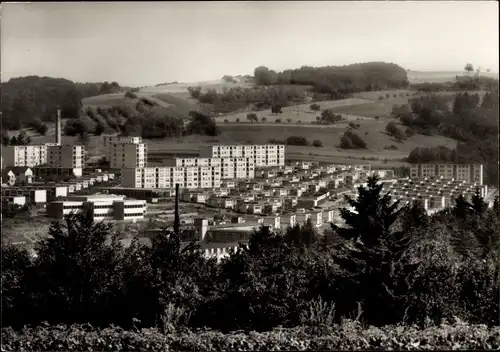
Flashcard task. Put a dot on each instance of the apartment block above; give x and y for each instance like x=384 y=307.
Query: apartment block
x=110 y=139
x=472 y=173
x=127 y=155
x=66 y=156
x=24 y=155
x=230 y=168
x=101 y=207
x=167 y=177
x=263 y=155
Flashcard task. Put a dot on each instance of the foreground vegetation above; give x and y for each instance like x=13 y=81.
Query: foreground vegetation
x=347 y=336
x=391 y=265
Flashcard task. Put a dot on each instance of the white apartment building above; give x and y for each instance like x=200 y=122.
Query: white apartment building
x=471 y=173
x=24 y=155
x=127 y=155
x=102 y=207
x=66 y=156
x=263 y=155
x=167 y=177
x=110 y=140
x=230 y=168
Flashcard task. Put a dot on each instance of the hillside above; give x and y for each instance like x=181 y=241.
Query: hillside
x=29 y=98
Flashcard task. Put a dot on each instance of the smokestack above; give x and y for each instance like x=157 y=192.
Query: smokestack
x=58 y=127
x=177 y=221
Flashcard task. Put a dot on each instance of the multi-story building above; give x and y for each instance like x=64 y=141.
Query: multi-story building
x=127 y=155
x=231 y=168
x=263 y=155
x=24 y=155
x=66 y=156
x=167 y=177
x=110 y=140
x=101 y=207
x=461 y=172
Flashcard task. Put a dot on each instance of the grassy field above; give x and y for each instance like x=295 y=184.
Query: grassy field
x=440 y=76
x=372 y=131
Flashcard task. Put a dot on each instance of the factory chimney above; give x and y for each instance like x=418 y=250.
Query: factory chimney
x=58 y=127
x=177 y=221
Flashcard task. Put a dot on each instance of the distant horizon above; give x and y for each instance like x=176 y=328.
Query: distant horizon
x=217 y=79
x=147 y=43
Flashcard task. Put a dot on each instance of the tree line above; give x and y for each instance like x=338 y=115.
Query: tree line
x=29 y=98
x=236 y=98
x=338 y=81
x=390 y=264
x=468 y=118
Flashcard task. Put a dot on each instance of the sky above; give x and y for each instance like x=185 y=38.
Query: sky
x=146 y=43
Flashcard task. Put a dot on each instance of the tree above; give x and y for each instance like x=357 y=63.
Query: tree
x=278 y=121
x=130 y=95
x=276 y=109
x=371 y=246
x=317 y=143
x=263 y=119
x=252 y=117
x=315 y=107
x=78 y=272
x=469 y=68
x=289 y=120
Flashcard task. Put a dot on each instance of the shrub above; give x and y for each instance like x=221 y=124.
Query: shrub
x=387 y=95
x=130 y=95
x=277 y=120
x=263 y=119
x=395 y=95
x=252 y=117
x=237 y=119
x=391 y=147
x=351 y=140
x=315 y=107
x=352 y=125
x=347 y=336
x=317 y=143
x=381 y=98
x=226 y=121
x=376 y=117
x=296 y=140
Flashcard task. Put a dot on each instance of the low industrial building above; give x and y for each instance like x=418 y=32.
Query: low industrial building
x=101 y=207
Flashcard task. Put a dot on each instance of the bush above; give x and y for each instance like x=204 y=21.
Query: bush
x=317 y=143
x=252 y=117
x=381 y=98
x=296 y=140
x=348 y=336
x=277 y=120
x=130 y=95
x=351 y=140
x=226 y=121
x=391 y=147
x=352 y=125
x=315 y=107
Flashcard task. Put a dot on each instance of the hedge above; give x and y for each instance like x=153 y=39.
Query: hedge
x=348 y=336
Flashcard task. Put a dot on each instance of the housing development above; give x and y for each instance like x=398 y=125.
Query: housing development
x=248 y=186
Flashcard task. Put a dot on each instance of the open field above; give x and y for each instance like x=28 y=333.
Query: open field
x=302 y=113
x=177 y=88
x=372 y=131
x=440 y=76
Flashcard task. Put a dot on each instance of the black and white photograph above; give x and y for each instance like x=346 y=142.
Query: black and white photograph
x=250 y=176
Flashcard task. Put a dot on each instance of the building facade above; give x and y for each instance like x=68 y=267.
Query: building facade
x=472 y=173
x=24 y=155
x=263 y=155
x=101 y=207
x=127 y=155
x=190 y=177
x=230 y=168
x=110 y=140
x=66 y=156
